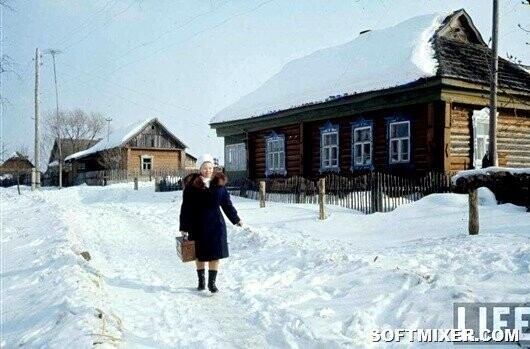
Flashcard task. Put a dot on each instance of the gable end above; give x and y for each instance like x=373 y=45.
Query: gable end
x=459 y=27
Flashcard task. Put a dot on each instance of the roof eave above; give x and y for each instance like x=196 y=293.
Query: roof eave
x=423 y=83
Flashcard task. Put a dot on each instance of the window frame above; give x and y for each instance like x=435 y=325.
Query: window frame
x=399 y=140
x=142 y=163
x=278 y=155
x=357 y=126
x=480 y=117
x=239 y=152
x=327 y=130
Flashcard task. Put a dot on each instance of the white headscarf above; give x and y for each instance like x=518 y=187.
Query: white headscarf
x=205 y=158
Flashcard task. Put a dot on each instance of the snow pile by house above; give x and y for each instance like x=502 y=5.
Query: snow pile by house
x=291 y=280
x=116 y=138
x=375 y=60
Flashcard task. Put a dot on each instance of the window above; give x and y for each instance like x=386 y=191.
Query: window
x=236 y=157
x=362 y=144
x=329 y=148
x=481 y=139
x=275 y=154
x=399 y=142
x=146 y=163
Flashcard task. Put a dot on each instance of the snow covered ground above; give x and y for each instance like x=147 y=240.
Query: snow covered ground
x=291 y=280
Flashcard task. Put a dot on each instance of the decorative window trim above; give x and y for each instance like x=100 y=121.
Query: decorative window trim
x=399 y=120
x=479 y=117
x=281 y=169
x=142 y=158
x=329 y=129
x=356 y=125
x=239 y=152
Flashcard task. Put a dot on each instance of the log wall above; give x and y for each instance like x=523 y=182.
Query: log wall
x=513 y=137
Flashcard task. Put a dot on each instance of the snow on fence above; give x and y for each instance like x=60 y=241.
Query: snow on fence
x=368 y=193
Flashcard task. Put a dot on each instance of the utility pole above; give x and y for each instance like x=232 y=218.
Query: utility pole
x=35 y=183
x=108 y=128
x=57 y=123
x=493 y=156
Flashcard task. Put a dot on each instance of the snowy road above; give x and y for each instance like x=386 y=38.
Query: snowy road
x=152 y=293
x=291 y=280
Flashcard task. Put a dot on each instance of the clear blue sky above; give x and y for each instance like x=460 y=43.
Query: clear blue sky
x=182 y=61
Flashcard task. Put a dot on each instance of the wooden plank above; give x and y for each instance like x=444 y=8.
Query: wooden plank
x=430 y=141
x=447 y=138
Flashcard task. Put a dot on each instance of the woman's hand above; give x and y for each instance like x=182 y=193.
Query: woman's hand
x=239 y=224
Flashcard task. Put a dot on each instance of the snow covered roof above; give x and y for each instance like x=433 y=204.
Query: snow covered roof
x=16 y=155
x=70 y=146
x=375 y=60
x=117 y=138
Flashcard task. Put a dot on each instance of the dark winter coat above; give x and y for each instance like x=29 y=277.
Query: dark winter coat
x=201 y=217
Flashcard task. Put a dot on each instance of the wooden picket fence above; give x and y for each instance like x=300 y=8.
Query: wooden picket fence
x=164 y=178
x=368 y=193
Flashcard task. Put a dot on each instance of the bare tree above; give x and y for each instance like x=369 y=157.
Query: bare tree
x=112 y=159
x=75 y=126
x=80 y=126
x=5 y=4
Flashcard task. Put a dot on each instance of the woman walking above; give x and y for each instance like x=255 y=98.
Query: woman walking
x=202 y=221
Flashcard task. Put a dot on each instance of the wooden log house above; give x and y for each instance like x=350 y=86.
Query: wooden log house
x=138 y=149
x=435 y=122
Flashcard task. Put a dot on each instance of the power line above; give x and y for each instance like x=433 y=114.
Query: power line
x=103 y=25
x=191 y=20
x=132 y=101
x=138 y=92
x=191 y=37
x=86 y=23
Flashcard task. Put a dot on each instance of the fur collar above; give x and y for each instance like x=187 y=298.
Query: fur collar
x=194 y=180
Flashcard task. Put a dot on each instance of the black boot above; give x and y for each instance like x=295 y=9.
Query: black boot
x=212 y=274
x=200 y=274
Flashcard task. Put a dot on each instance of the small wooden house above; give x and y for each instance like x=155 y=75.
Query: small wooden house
x=191 y=162
x=68 y=147
x=411 y=98
x=141 y=149
x=17 y=168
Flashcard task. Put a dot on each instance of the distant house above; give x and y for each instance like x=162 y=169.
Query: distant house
x=68 y=146
x=16 y=167
x=143 y=148
x=410 y=98
x=191 y=162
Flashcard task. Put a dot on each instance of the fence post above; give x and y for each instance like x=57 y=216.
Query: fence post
x=375 y=193
x=135 y=183
x=301 y=191
x=473 y=212
x=261 y=193
x=321 y=197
